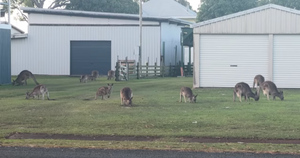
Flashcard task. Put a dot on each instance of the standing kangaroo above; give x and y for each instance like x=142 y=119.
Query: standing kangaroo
x=86 y=78
x=22 y=78
x=110 y=74
x=258 y=80
x=187 y=92
x=269 y=88
x=37 y=91
x=126 y=96
x=243 y=89
x=105 y=90
x=95 y=74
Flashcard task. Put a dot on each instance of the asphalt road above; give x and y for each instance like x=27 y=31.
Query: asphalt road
x=22 y=152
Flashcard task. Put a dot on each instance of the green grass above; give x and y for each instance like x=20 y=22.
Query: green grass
x=155 y=112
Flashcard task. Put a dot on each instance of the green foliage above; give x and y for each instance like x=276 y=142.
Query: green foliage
x=215 y=8
x=114 y=6
x=211 y=9
x=295 y=4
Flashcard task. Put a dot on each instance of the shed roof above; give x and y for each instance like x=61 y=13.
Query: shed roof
x=242 y=13
x=267 y=19
x=167 y=8
x=102 y=15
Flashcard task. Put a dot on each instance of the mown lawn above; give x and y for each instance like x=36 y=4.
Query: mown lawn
x=156 y=111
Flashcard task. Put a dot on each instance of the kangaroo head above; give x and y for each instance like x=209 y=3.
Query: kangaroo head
x=13 y=82
x=27 y=95
x=281 y=95
x=129 y=102
x=193 y=99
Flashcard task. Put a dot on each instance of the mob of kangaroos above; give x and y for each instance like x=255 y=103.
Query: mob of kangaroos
x=268 y=87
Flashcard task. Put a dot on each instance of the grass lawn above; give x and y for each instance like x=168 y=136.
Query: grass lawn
x=155 y=112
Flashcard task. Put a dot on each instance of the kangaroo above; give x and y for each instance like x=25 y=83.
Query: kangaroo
x=110 y=74
x=86 y=78
x=95 y=74
x=105 y=90
x=22 y=78
x=126 y=96
x=258 y=80
x=243 y=89
x=187 y=92
x=37 y=91
x=269 y=88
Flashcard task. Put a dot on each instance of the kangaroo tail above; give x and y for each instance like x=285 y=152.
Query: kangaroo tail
x=32 y=76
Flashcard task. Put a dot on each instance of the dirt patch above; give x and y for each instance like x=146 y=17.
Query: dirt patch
x=150 y=138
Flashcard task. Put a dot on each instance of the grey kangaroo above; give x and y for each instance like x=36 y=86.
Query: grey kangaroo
x=269 y=88
x=126 y=96
x=37 y=91
x=95 y=74
x=86 y=78
x=187 y=92
x=258 y=80
x=105 y=90
x=243 y=89
x=22 y=78
x=110 y=74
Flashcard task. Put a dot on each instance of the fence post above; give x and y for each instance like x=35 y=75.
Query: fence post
x=127 y=69
x=138 y=70
x=147 y=64
x=117 y=75
x=155 y=64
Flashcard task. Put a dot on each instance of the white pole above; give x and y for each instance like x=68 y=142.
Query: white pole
x=8 y=6
x=140 y=48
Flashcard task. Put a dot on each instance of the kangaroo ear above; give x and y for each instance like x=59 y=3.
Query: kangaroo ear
x=112 y=84
x=196 y=95
x=131 y=98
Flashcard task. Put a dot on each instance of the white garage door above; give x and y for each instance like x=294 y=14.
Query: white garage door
x=286 y=61
x=228 y=59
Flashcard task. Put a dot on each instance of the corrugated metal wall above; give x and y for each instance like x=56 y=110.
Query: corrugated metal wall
x=263 y=21
x=5 y=57
x=47 y=48
x=170 y=34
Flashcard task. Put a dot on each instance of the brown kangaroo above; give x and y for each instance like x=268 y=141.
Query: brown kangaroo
x=86 y=78
x=269 y=88
x=95 y=74
x=22 y=78
x=37 y=91
x=258 y=80
x=187 y=92
x=110 y=74
x=243 y=89
x=105 y=90
x=126 y=96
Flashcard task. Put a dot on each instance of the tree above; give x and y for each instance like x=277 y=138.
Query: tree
x=115 y=6
x=215 y=8
x=16 y=4
x=182 y=2
x=295 y=4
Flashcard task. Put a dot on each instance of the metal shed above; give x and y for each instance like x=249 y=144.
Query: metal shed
x=234 y=48
x=67 y=42
x=5 y=57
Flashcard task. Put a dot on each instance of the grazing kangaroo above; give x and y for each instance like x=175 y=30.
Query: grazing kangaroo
x=258 y=80
x=22 y=78
x=187 y=92
x=110 y=74
x=243 y=89
x=86 y=78
x=37 y=91
x=95 y=74
x=105 y=90
x=269 y=88
x=126 y=96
